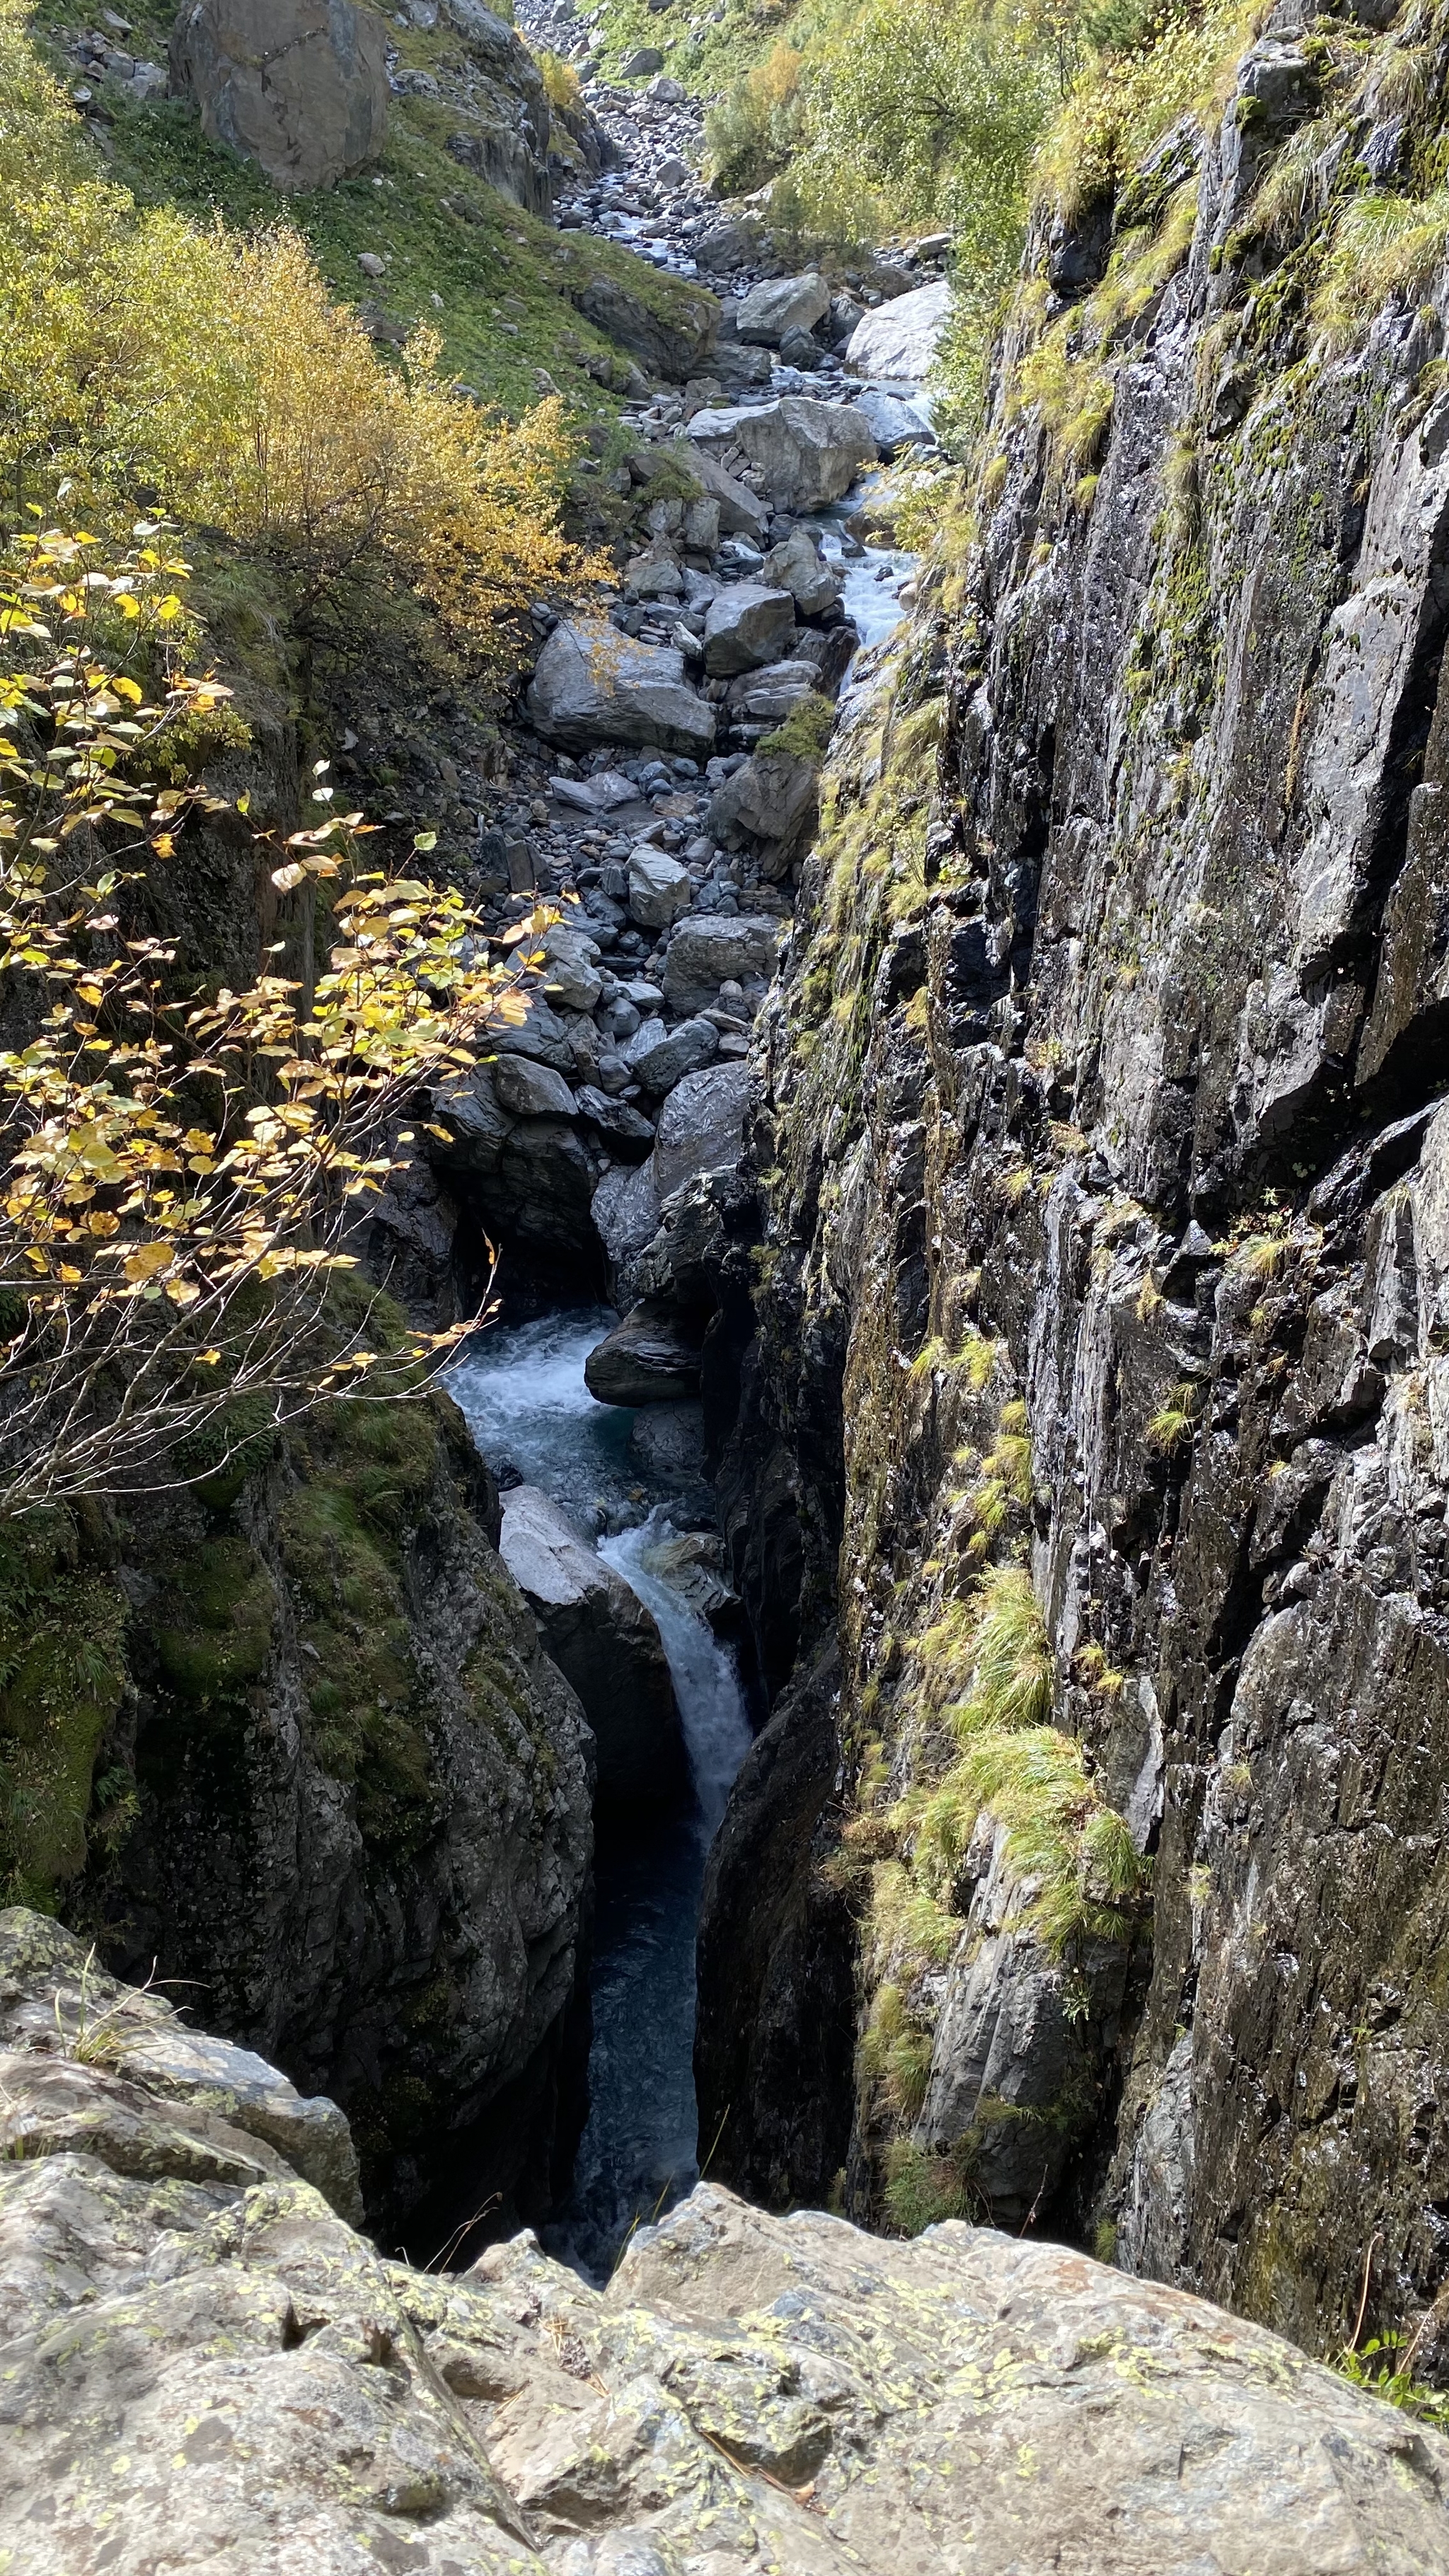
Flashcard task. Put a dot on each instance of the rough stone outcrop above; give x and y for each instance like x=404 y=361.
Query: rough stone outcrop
x=347 y=1796
x=1104 y=1161
x=605 y=1642
x=200 y=2353
x=298 y=86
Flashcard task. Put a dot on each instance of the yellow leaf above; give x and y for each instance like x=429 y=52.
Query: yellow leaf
x=285 y=878
x=169 y=608
x=164 y=846
x=147 y=1260
x=127 y=688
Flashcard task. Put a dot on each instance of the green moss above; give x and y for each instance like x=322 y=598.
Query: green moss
x=805 y=733
x=923 y=2187
x=214 y=1637
x=62 y=1672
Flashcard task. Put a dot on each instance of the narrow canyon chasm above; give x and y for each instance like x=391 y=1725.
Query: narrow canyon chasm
x=818 y=1883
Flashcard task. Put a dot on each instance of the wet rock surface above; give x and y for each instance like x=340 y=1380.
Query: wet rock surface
x=607 y=1645
x=256 y=2383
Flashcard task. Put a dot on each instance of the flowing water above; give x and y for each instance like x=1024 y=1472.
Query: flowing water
x=522 y=1390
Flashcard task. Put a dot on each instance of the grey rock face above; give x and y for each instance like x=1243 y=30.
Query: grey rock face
x=780 y=305
x=676 y=343
x=808 y=452
x=701 y=1127
x=901 y=338
x=705 y=952
x=606 y=1643
x=741 y=512
x=747 y=625
x=893 y=424
x=767 y=696
x=1183 y=1206
x=203 y=2350
x=593 y=685
x=298 y=86
x=652 y=1357
x=506 y=134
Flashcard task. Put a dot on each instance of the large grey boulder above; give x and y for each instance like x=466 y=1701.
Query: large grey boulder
x=772 y=799
x=476 y=1123
x=746 y=626
x=797 y=566
x=532 y=1090
x=892 y=423
x=593 y=685
x=539 y=1198
x=808 y=452
x=207 y=2369
x=659 y=888
x=708 y=950
x=54 y=1996
x=781 y=305
x=658 y=1056
x=652 y=1357
x=672 y=329
x=571 y=978
x=298 y=86
x=701 y=1127
x=901 y=338
x=504 y=117
x=607 y=1644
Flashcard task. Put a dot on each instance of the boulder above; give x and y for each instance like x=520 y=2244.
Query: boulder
x=208 y=2370
x=626 y=1218
x=746 y=626
x=741 y=512
x=532 y=1090
x=655 y=574
x=672 y=333
x=639 y=65
x=506 y=134
x=477 y=1126
x=298 y=86
x=708 y=950
x=659 y=1056
x=606 y=1643
x=797 y=566
x=539 y=1198
x=768 y=696
x=540 y=1034
x=659 y=888
x=600 y=794
x=773 y=799
x=652 y=1357
x=701 y=1127
x=893 y=424
x=808 y=452
x=629 y=1132
x=593 y=686
x=571 y=979
x=901 y=338
x=781 y=305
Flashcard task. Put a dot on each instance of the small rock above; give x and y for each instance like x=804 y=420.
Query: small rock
x=532 y=1090
x=658 y=1057
x=370 y=264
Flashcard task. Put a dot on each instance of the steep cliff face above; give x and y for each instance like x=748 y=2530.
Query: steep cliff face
x=1100 y=1372
x=340 y=1792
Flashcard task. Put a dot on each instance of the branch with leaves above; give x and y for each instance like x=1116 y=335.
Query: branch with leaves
x=181 y=1179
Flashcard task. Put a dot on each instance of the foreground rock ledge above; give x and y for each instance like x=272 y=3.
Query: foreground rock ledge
x=203 y=2366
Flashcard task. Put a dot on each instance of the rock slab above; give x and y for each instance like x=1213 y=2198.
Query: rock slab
x=593 y=686
x=298 y=86
x=207 y=2357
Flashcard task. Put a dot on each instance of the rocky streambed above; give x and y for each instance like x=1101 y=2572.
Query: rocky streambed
x=675 y=736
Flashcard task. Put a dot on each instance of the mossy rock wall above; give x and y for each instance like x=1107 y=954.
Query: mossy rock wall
x=1102 y=1152
x=293 y=1740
